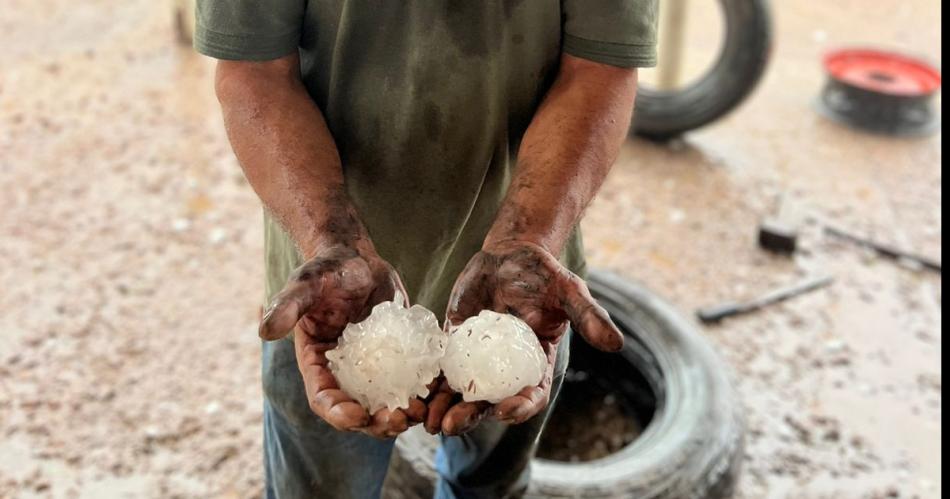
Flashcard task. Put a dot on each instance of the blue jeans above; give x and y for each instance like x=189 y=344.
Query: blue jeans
x=304 y=457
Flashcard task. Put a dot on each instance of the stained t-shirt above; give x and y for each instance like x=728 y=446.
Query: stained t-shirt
x=427 y=102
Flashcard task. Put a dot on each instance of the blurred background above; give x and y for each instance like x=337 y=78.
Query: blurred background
x=131 y=258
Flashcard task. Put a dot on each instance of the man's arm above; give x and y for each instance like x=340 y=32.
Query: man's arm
x=287 y=153
x=565 y=154
x=290 y=159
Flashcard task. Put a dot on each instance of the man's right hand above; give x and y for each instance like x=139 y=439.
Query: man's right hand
x=337 y=286
x=291 y=160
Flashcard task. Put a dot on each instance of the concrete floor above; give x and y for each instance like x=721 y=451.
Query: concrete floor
x=131 y=258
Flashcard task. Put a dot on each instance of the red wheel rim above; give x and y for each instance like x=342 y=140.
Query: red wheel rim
x=883 y=72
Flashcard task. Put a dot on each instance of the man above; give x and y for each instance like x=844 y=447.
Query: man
x=444 y=148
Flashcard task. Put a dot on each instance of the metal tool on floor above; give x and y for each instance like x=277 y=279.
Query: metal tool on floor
x=719 y=312
x=778 y=236
x=885 y=250
x=778 y=233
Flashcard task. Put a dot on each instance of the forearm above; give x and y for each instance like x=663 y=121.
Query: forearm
x=566 y=153
x=287 y=152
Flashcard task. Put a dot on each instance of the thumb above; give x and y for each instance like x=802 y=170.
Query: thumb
x=286 y=310
x=587 y=317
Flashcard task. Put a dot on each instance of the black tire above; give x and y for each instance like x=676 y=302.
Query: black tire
x=692 y=447
x=744 y=56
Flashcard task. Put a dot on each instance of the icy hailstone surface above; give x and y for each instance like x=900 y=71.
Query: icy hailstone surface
x=390 y=357
x=493 y=356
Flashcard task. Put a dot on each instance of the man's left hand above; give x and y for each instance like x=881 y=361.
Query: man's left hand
x=525 y=280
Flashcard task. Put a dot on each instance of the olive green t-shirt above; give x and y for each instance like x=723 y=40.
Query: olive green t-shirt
x=427 y=102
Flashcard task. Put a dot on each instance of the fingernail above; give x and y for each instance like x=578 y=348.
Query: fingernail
x=268 y=313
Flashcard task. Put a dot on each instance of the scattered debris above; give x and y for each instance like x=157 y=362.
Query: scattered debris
x=717 y=313
x=677 y=216
x=213 y=407
x=181 y=224
x=217 y=235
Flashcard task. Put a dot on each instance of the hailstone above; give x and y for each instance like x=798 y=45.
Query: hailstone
x=492 y=356
x=388 y=359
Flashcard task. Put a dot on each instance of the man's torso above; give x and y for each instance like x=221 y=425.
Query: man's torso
x=427 y=102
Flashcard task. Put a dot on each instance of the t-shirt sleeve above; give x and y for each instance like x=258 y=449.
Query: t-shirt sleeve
x=616 y=32
x=255 y=30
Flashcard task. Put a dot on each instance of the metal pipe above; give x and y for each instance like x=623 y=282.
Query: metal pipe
x=672 y=34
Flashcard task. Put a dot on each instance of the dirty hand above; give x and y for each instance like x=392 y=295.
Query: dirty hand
x=339 y=285
x=527 y=281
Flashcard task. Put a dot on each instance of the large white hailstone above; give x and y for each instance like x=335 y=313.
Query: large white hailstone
x=389 y=358
x=493 y=356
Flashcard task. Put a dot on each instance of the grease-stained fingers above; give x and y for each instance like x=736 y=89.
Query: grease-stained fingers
x=439 y=403
x=397 y=423
x=326 y=399
x=530 y=400
x=471 y=293
x=588 y=318
x=386 y=290
x=338 y=409
x=523 y=406
x=464 y=417
x=416 y=412
x=385 y=424
x=286 y=309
